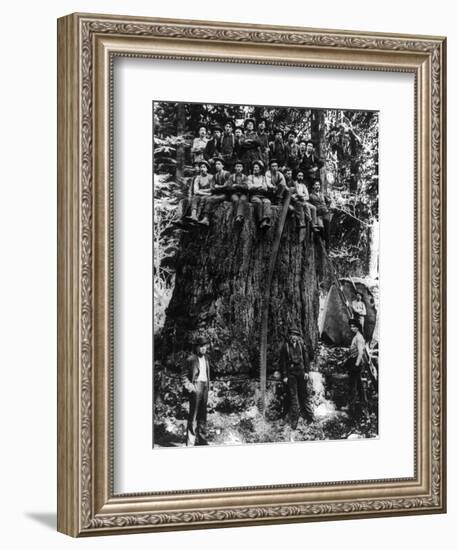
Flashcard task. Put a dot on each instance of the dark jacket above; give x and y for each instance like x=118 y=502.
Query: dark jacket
x=250 y=148
x=213 y=148
x=292 y=155
x=278 y=151
x=307 y=165
x=293 y=360
x=321 y=202
x=237 y=182
x=191 y=370
x=219 y=183
x=227 y=147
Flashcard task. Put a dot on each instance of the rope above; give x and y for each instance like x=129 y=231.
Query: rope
x=266 y=300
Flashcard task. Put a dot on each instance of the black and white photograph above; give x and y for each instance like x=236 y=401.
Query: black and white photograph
x=266 y=274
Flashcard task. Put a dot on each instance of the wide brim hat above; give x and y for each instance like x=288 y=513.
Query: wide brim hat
x=294 y=331
x=231 y=122
x=203 y=162
x=214 y=159
x=201 y=341
x=273 y=160
x=216 y=127
x=247 y=120
x=259 y=163
x=238 y=161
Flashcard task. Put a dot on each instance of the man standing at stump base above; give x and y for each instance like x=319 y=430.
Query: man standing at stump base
x=295 y=366
x=196 y=380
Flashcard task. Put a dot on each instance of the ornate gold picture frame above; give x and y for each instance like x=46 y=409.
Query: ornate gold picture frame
x=87 y=46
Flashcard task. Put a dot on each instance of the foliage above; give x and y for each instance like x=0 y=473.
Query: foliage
x=234 y=417
x=348 y=144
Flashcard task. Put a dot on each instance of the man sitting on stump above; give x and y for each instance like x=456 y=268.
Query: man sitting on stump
x=219 y=190
x=302 y=196
x=238 y=185
x=259 y=190
x=201 y=190
x=295 y=205
x=322 y=203
x=295 y=366
x=276 y=180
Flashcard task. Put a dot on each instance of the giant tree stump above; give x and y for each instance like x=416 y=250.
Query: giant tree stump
x=220 y=286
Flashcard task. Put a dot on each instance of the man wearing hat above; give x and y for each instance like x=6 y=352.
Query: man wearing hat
x=303 y=197
x=295 y=205
x=238 y=185
x=355 y=363
x=198 y=145
x=213 y=147
x=275 y=179
x=295 y=366
x=219 y=190
x=278 y=148
x=292 y=150
x=263 y=138
x=196 y=380
x=201 y=189
x=258 y=189
x=251 y=149
x=311 y=165
x=228 y=145
x=322 y=204
x=238 y=142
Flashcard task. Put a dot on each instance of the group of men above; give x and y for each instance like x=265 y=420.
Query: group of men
x=294 y=371
x=244 y=165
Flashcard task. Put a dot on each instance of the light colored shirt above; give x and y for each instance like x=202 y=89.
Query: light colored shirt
x=202 y=184
x=277 y=180
x=357 y=346
x=198 y=147
x=202 y=377
x=359 y=307
x=257 y=182
x=302 y=191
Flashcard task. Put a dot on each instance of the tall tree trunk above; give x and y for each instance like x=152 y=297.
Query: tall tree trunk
x=317 y=132
x=219 y=288
x=181 y=125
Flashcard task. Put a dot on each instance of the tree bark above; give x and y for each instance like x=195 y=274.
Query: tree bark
x=219 y=287
x=181 y=124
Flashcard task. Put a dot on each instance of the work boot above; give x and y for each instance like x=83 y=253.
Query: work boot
x=205 y=221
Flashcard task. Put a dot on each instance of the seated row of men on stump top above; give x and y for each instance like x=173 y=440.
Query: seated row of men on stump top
x=261 y=189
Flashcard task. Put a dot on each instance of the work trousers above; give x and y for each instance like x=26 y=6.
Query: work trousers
x=197 y=419
x=358 y=405
x=212 y=202
x=240 y=203
x=262 y=207
x=299 y=399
